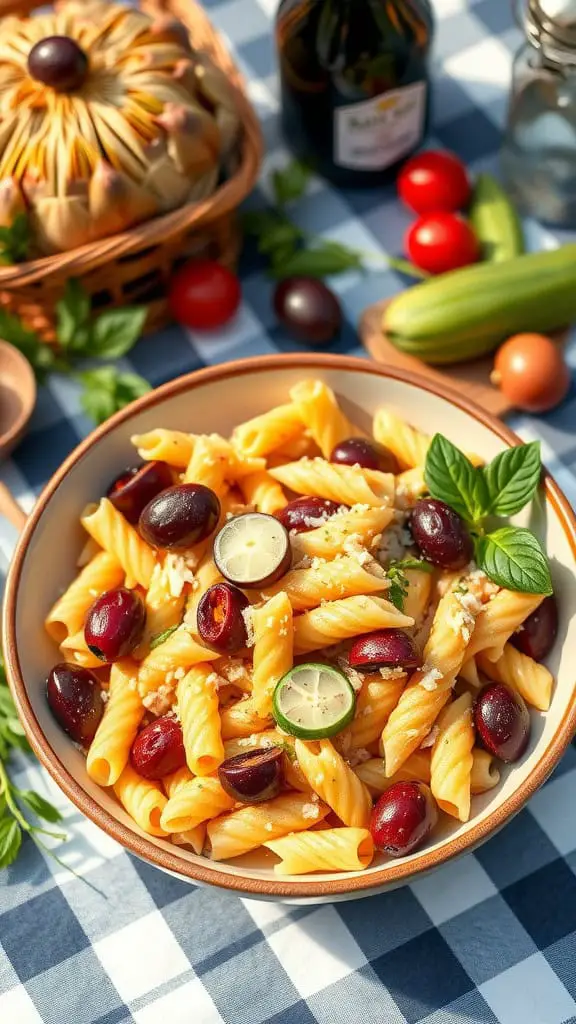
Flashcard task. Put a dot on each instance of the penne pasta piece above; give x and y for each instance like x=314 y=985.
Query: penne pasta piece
x=267 y=432
x=340 y=620
x=193 y=803
x=249 y=827
x=197 y=698
x=110 y=749
x=451 y=759
x=373 y=772
x=529 y=678
x=351 y=485
x=143 y=800
x=329 y=581
x=328 y=541
x=113 y=533
x=331 y=849
x=103 y=572
x=321 y=415
x=334 y=781
x=273 y=650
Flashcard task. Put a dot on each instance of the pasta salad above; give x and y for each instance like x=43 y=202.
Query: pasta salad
x=302 y=637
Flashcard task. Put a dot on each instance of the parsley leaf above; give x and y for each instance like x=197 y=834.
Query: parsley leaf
x=161 y=637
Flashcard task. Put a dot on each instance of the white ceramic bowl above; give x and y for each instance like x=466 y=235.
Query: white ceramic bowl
x=215 y=400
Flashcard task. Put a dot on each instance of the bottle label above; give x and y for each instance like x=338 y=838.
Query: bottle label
x=374 y=134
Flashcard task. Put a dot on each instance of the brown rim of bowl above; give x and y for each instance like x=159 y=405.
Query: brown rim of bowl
x=390 y=873
x=9 y=438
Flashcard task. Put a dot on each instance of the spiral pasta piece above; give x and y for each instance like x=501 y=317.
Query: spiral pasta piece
x=273 y=650
x=348 y=484
x=194 y=837
x=373 y=772
x=340 y=620
x=451 y=759
x=409 y=445
x=334 y=782
x=198 y=708
x=164 y=609
x=179 y=652
x=103 y=572
x=417 y=599
x=143 y=800
x=263 y=492
x=321 y=414
x=499 y=619
x=410 y=486
x=374 y=705
x=485 y=773
x=242 y=719
x=429 y=688
x=301 y=447
x=113 y=533
x=193 y=803
x=207 y=466
x=529 y=678
x=265 y=433
x=331 y=849
x=328 y=540
x=171 y=446
x=246 y=829
x=328 y=581
x=110 y=749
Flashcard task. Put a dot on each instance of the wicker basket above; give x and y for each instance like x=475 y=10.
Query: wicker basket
x=135 y=266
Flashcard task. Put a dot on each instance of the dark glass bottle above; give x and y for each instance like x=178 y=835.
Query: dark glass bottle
x=355 y=84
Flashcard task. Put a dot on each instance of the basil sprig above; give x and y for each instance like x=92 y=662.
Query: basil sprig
x=510 y=556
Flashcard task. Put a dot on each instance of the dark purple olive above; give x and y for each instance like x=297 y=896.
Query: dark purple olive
x=308 y=513
x=358 y=451
x=502 y=722
x=59 y=62
x=75 y=699
x=441 y=534
x=402 y=818
x=252 y=550
x=159 y=749
x=388 y=648
x=254 y=776
x=538 y=632
x=115 y=624
x=308 y=310
x=133 y=489
x=180 y=517
x=221 y=624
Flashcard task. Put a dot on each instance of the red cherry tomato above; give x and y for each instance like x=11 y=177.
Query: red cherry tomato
x=434 y=181
x=204 y=295
x=439 y=242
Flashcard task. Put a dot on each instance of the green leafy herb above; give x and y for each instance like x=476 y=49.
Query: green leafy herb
x=106 y=391
x=398 y=590
x=81 y=334
x=324 y=259
x=513 y=557
x=161 y=637
x=13 y=801
x=15 y=241
x=452 y=478
x=510 y=556
x=512 y=479
x=413 y=563
x=291 y=182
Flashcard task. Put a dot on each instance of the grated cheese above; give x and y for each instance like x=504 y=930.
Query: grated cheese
x=391 y=673
x=248 y=616
x=429 y=679
x=178 y=574
x=269 y=826
x=431 y=738
x=359 y=756
x=310 y=811
x=354 y=678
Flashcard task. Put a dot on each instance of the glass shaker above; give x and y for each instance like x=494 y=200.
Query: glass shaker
x=539 y=150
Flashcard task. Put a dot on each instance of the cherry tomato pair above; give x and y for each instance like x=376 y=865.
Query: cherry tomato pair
x=436 y=185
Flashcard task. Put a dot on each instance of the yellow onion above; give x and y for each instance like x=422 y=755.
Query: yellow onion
x=148 y=126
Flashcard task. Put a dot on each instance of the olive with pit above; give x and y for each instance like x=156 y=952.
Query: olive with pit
x=115 y=624
x=180 y=517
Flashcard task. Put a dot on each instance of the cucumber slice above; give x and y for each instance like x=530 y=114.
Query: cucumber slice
x=313 y=701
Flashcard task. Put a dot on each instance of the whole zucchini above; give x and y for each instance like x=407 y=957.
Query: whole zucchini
x=467 y=313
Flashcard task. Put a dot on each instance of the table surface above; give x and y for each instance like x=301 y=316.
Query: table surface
x=489 y=939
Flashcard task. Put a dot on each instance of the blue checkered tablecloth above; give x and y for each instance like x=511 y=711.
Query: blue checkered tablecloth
x=489 y=940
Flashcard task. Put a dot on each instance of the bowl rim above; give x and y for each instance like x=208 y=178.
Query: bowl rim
x=391 y=873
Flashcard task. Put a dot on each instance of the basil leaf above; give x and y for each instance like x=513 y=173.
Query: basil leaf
x=10 y=841
x=72 y=315
x=452 y=478
x=414 y=563
x=291 y=182
x=398 y=590
x=513 y=558
x=321 y=261
x=161 y=637
x=116 y=331
x=106 y=391
x=512 y=479
x=41 y=807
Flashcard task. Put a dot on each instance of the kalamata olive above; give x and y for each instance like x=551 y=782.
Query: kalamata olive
x=502 y=721
x=387 y=648
x=59 y=62
x=159 y=749
x=359 y=451
x=252 y=550
x=308 y=513
x=133 y=489
x=441 y=534
x=115 y=624
x=75 y=699
x=308 y=309
x=220 y=621
x=254 y=776
x=402 y=818
x=180 y=517
x=538 y=632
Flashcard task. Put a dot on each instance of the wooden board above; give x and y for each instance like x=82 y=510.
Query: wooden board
x=470 y=379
